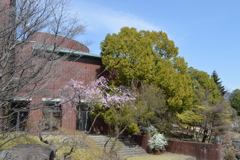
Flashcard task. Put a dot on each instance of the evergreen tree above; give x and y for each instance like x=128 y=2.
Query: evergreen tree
x=216 y=79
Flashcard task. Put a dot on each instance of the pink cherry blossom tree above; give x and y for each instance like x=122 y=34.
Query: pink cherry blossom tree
x=97 y=93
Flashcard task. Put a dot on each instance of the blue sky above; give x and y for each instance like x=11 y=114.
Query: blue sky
x=207 y=32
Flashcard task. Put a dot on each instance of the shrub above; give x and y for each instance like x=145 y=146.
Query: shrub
x=133 y=128
x=157 y=142
x=150 y=130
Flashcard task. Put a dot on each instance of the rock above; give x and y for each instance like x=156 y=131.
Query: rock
x=27 y=152
x=237 y=155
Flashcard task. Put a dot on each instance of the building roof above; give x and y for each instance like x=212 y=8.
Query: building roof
x=63 y=50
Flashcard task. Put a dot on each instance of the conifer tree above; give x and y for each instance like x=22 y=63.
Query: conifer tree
x=216 y=79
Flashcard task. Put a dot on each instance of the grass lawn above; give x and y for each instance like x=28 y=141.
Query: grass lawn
x=164 y=156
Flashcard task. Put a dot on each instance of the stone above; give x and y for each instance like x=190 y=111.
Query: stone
x=27 y=152
x=237 y=155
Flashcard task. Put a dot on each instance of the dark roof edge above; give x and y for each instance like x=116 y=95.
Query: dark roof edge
x=63 y=50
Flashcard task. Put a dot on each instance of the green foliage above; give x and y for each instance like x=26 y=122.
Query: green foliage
x=190 y=118
x=216 y=79
x=234 y=99
x=149 y=57
x=205 y=89
x=149 y=104
x=213 y=120
x=152 y=97
x=119 y=116
x=96 y=111
x=133 y=128
x=130 y=52
x=135 y=53
x=175 y=84
x=164 y=47
x=152 y=101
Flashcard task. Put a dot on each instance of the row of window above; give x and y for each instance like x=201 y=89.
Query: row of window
x=18 y=114
x=52 y=116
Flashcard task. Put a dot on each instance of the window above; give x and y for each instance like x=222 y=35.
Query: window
x=83 y=117
x=18 y=116
x=52 y=115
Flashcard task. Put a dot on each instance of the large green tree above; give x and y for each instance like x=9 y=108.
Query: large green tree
x=149 y=57
x=216 y=79
x=234 y=99
x=205 y=89
x=131 y=53
x=135 y=54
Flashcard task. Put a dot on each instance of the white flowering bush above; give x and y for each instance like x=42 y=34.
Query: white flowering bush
x=157 y=142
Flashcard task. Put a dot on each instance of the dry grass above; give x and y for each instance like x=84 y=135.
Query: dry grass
x=12 y=139
x=164 y=156
x=86 y=151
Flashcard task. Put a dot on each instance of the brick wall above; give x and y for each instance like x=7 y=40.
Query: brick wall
x=82 y=69
x=50 y=39
x=100 y=127
x=35 y=114
x=142 y=140
x=85 y=68
x=68 y=117
x=202 y=151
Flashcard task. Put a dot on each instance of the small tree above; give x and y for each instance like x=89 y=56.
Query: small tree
x=99 y=96
x=212 y=120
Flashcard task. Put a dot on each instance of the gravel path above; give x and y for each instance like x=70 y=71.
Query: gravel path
x=164 y=156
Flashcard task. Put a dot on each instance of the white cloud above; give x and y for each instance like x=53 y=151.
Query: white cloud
x=102 y=18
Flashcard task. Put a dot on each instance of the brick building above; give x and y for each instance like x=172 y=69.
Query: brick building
x=44 y=104
x=38 y=102
x=79 y=65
